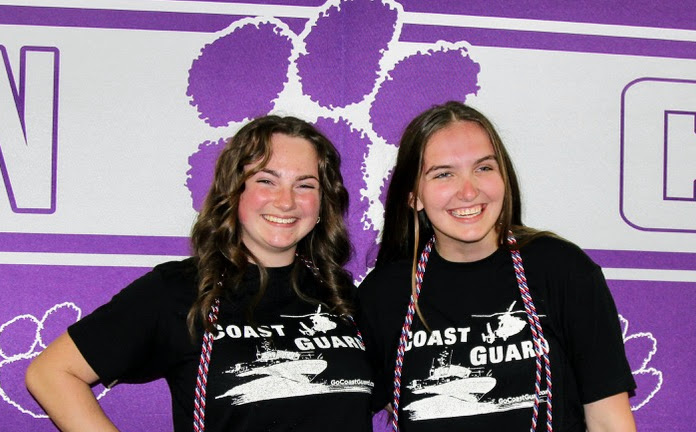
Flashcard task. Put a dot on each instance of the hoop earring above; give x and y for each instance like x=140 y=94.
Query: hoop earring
x=318 y=219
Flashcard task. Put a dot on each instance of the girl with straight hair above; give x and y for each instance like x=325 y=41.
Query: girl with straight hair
x=473 y=321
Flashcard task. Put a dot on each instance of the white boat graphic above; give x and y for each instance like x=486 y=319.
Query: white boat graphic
x=289 y=365
x=278 y=373
x=455 y=381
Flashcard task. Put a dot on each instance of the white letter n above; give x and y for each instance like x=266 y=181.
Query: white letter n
x=28 y=130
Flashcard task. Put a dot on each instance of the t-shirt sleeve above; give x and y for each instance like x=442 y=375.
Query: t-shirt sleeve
x=119 y=340
x=594 y=338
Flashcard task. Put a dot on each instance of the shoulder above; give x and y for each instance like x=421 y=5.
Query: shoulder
x=167 y=280
x=387 y=280
x=557 y=254
x=173 y=270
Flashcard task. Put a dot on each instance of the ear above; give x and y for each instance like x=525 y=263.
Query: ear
x=414 y=202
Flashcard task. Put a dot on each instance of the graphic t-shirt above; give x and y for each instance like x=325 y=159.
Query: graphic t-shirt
x=473 y=366
x=292 y=367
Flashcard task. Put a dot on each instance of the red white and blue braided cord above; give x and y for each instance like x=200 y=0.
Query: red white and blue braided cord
x=540 y=344
x=405 y=329
x=203 y=366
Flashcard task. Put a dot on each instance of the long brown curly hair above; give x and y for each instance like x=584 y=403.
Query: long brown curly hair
x=221 y=256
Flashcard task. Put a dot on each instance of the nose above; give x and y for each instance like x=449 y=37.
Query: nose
x=285 y=199
x=468 y=190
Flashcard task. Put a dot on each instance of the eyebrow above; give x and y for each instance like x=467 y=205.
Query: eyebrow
x=299 y=178
x=269 y=171
x=307 y=177
x=437 y=167
x=476 y=162
x=485 y=158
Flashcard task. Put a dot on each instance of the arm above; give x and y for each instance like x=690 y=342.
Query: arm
x=611 y=414
x=60 y=379
x=581 y=305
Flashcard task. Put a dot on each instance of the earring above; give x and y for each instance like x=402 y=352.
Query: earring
x=318 y=219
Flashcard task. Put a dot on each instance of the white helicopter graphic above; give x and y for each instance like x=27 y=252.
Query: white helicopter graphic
x=320 y=322
x=508 y=325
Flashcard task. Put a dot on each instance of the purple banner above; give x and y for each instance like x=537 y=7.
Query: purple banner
x=143 y=101
x=658 y=345
x=58 y=296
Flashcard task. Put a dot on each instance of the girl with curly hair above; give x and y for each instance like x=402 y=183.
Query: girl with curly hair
x=255 y=331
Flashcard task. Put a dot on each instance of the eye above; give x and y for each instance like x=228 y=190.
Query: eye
x=307 y=186
x=443 y=174
x=489 y=166
x=264 y=181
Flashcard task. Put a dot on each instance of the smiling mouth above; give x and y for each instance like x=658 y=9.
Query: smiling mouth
x=280 y=220
x=467 y=212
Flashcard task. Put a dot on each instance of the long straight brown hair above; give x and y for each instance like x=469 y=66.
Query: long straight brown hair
x=406 y=230
x=404 y=227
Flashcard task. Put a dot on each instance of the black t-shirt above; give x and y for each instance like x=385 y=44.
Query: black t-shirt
x=475 y=369
x=293 y=367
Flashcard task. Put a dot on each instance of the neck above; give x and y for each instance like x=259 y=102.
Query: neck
x=274 y=260
x=464 y=252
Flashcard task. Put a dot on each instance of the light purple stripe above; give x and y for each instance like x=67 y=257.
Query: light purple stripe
x=268 y=2
x=94 y=244
x=132 y=20
x=550 y=41
x=644 y=13
x=643 y=259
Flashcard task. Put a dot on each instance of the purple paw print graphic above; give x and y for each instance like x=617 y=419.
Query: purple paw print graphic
x=233 y=79
x=340 y=67
x=21 y=339
x=640 y=348
x=360 y=87
x=202 y=164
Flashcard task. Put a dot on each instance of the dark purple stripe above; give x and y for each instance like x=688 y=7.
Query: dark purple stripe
x=180 y=246
x=198 y=22
x=550 y=41
x=133 y=20
x=95 y=244
x=643 y=259
x=646 y=13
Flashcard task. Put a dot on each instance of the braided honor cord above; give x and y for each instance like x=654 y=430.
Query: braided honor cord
x=420 y=270
x=202 y=378
x=540 y=344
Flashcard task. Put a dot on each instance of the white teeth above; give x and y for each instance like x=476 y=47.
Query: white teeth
x=280 y=220
x=471 y=211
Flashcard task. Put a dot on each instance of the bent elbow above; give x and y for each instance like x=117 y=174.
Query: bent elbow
x=32 y=378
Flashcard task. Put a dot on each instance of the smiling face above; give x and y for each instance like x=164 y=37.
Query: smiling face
x=462 y=191
x=280 y=204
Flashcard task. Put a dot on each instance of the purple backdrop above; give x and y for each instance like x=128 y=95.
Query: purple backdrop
x=339 y=56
